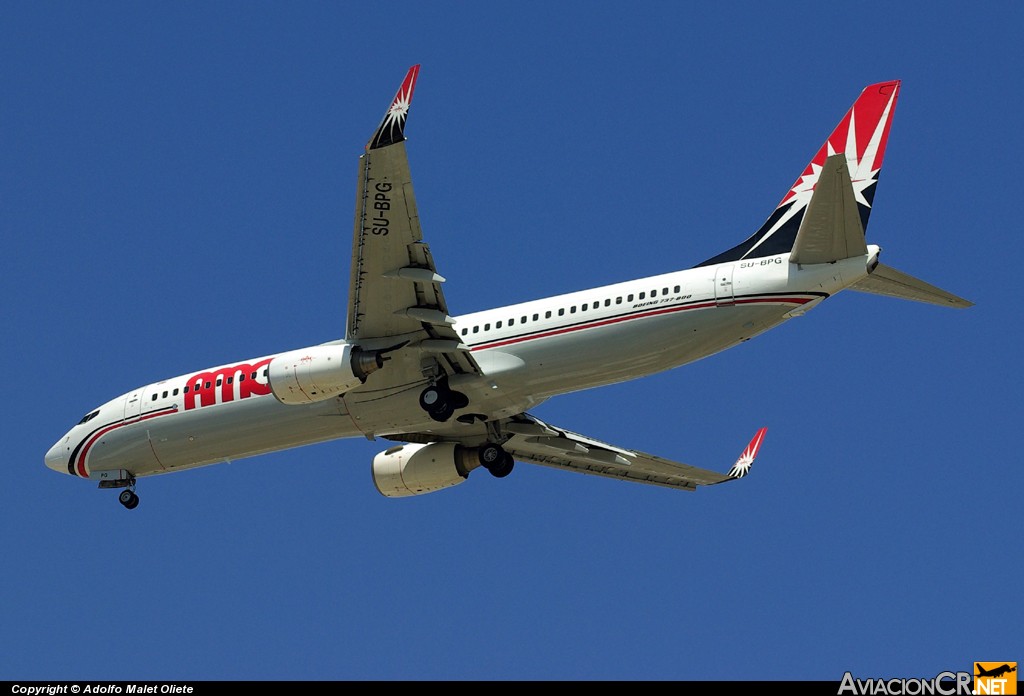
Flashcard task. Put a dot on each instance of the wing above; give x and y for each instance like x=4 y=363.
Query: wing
x=537 y=442
x=395 y=289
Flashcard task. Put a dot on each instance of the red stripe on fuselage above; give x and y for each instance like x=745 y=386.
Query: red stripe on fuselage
x=81 y=468
x=641 y=315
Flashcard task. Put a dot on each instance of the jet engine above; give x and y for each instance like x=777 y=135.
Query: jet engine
x=406 y=470
x=320 y=372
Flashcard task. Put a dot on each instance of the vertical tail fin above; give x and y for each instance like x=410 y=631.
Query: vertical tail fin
x=861 y=136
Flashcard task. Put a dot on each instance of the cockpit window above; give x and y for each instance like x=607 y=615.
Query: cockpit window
x=89 y=416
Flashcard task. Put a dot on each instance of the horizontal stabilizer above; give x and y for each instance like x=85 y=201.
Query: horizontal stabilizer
x=885 y=280
x=831 y=229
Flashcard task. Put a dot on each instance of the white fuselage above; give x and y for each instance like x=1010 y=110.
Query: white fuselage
x=527 y=352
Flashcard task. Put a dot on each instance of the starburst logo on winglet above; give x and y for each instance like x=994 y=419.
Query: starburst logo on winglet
x=392 y=126
x=399 y=109
x=742 y=466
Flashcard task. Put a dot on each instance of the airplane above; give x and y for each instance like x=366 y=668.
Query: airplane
x=455 y=393
x=996 y=671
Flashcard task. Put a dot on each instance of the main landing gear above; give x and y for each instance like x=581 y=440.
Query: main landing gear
x=441 y=402
x=496 y=460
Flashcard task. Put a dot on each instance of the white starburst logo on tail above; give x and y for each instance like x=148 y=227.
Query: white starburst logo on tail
x=863 y=154
x=742 y=466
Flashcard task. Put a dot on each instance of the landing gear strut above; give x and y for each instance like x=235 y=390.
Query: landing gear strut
x=441 y=402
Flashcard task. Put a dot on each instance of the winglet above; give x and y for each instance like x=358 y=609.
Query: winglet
x=742 y=466
x=392 y=129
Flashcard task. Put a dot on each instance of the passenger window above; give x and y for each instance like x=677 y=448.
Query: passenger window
x=643 y=295
x=511 y=322
x=164 y=396
x=207 y=385
x=584 y=307
x=675 y=289
x=498 y=325
x=219 y=380
x=607 y=303
x=535 y=317
x=476 y=329
x=266 y=372
x=547 y=315
x=252 y=376
x=465 y=331
x=523 y=319
x=664 y=291
x=175 y=392
x=618 y=300
x=185 y=391
x=154 y=397
x=572 y=310
x=230 y=380
x=561 y=312
x=241 y=377
x=629 y=298
x=487 y=327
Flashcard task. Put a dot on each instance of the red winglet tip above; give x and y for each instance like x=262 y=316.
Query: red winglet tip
x=742 y=466
x=392 y=128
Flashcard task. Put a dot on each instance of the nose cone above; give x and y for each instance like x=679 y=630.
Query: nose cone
x=57 y=457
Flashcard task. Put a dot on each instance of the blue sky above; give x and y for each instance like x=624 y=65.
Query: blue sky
x=176 y=192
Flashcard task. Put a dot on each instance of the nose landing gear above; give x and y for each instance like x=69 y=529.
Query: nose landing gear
x=129 y=499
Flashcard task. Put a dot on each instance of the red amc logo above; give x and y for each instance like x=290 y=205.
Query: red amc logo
x=243 y=376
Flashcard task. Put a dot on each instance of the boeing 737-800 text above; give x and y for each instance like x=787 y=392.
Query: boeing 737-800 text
x=453 y=393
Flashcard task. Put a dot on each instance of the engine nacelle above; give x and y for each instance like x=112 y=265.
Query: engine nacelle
x=407 y=470
x=320 y=372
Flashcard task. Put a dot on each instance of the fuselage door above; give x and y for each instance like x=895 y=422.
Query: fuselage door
x=133 y=404
x=723 y=285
